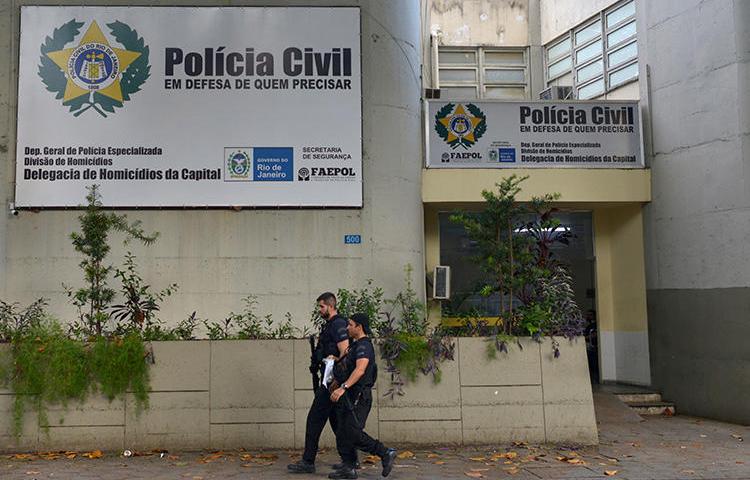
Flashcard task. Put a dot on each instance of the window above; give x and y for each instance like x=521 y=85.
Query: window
x=600 y=55
x=467 y=278
x=469 y=73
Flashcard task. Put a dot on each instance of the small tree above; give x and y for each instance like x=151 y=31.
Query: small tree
x=94 y=299
x=500 y=251
x=515 y=247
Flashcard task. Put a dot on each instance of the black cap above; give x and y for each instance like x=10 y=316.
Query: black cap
x=362 y=319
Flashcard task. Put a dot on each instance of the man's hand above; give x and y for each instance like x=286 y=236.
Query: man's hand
x=337 y=394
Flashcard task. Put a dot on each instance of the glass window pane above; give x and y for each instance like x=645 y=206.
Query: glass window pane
x=590 y=71
x=587 y=53
x=591 y=90
x=456 y=75
x=458 y=93
x=457 y=58
x=504 y=58
x=589 y=32
x=622 y=33
x=504 y=92
x=617 y=16
x=560 y=67
x=623 y=75
x=623 y=54
x=504 y=76
x=558 y=49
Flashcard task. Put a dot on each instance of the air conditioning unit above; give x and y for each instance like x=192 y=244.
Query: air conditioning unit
x=441 y=284
x=557 y=93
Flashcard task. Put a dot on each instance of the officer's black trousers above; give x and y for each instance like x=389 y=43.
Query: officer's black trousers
x=321 y=411
x=351 y=435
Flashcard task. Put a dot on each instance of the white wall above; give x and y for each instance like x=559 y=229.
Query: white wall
x=698 y=221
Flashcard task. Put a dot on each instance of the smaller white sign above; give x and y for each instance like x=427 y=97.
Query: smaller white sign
x=473 y=134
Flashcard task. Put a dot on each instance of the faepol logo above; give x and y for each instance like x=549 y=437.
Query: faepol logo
x=94 y=74
x=303 y=174
x=330 y=174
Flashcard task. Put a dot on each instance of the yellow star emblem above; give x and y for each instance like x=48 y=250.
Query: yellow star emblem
x=93 y=66
x=463 y=127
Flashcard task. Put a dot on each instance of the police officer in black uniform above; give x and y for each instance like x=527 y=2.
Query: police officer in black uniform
x=333 y=342
x=356 y=373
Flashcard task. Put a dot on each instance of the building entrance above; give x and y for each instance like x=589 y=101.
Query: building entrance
x=467 y=279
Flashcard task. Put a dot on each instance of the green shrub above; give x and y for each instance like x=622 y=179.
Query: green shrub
x=50 y=368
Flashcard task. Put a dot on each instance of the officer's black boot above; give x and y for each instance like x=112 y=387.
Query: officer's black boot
x=388 y=460
x=346 y=472
x=301 y=467
x=339 y=466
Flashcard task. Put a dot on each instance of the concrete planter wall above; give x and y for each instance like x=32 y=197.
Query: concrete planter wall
x=255 y=394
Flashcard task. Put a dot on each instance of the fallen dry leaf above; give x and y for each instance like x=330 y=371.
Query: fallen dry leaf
x=474 y=474
x=246 y=456
x=610 y=473
x=480 y=469
x=93 y=455
x=247 y=465
x=267 y=456
x=738 y=437
x=439 y=462
x=33 y=472
x=478 y=459
x=433 y=455
x=371 y=459
x=406 y=454
x=513 y=470
x=576 y=461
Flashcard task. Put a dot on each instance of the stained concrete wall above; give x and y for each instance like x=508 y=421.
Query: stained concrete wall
x=698 y=269
x=286 y=257
x=497 y=23
x=256 y=394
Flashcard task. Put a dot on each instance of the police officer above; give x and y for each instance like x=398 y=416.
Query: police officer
x=356 y=374
x=333 y=342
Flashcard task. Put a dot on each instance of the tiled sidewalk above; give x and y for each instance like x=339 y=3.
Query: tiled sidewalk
x=663 y=448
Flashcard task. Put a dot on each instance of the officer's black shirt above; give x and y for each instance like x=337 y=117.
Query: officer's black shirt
x=333 y=332
x=361 y=348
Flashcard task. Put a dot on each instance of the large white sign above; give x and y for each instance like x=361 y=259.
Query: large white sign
x=189 y=106
x=468 y=134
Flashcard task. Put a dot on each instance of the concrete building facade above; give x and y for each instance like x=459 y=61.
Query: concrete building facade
x=687 y=64
x=660 y=260
x=285 y=257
